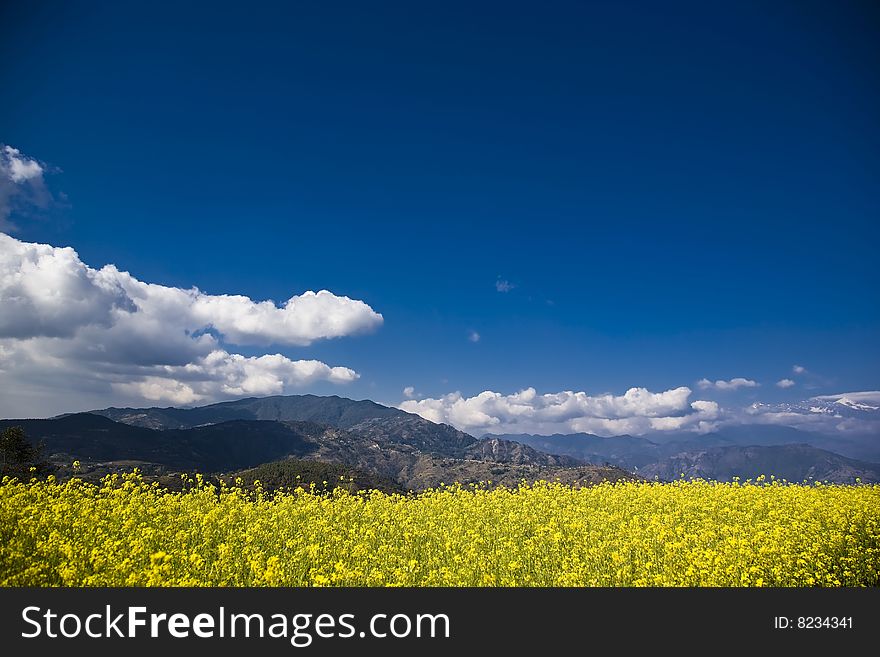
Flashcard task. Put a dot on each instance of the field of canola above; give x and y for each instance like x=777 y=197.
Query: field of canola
x=126 y=532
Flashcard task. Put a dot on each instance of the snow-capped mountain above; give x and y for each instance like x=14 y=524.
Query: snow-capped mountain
x=850 y=411
x=867 y=402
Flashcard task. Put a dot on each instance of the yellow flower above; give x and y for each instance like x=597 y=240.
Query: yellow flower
x=126 y=532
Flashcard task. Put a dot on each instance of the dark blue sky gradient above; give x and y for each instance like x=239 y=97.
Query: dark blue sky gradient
x=677 y=190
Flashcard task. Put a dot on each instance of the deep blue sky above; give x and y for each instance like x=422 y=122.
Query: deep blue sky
x=676 y=190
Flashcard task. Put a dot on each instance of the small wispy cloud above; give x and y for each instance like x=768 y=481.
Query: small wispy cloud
x=409 y=392
x=784 y=383
x=721 y=384
x=473 y=336
x=798 y=369
x=503 y=285
x=22 y=186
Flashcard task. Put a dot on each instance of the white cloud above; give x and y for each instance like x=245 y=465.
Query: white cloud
x=504 y=286
x=21 y=184
x=409 y=392
x=760 y=413
x=733 y=384
x=47 y=291
x=869 y=397
x=63 y=320
x=785 y=383
x=18 y=167
x=641 y=412
x=221 y=374
x=702 y=419
x=637 y=411
x=798 y=369
x=473 y=336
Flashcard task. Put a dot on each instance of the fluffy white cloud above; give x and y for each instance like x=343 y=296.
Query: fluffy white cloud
x=798 y=369
x=60 y=318
x=637 y=411
x=409 y=392
x=785 y=383
x=21 y=184
x=47 y=291
x=733 y=384
x=221 y=374
x=641 y=412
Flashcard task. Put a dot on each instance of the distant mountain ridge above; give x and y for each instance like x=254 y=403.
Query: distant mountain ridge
x=624 y=451
x=733 y=451
x=243 y=434
x=793 y=462
x=334 y=411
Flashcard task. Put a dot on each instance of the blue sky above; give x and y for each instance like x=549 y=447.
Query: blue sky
x=663 y=192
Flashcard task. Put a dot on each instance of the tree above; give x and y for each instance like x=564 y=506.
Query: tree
x=18 y=457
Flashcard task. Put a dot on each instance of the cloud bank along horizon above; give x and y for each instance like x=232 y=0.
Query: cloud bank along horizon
x=66 y=324
x=640 y=412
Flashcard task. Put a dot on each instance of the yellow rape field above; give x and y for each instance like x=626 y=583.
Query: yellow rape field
x=126 y=532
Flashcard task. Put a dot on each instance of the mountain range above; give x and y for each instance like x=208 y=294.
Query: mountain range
x=234 y=436
x=793 y=462
x=333 y=411
x=405 y=451
x=744 y=451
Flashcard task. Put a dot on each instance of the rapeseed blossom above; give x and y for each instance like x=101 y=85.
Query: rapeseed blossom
x=127 y=532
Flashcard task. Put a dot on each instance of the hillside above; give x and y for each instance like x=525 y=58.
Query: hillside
x=430 y=472
x=227 y=446
x=624 y=451
x=324 y=477
x=508 y=451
